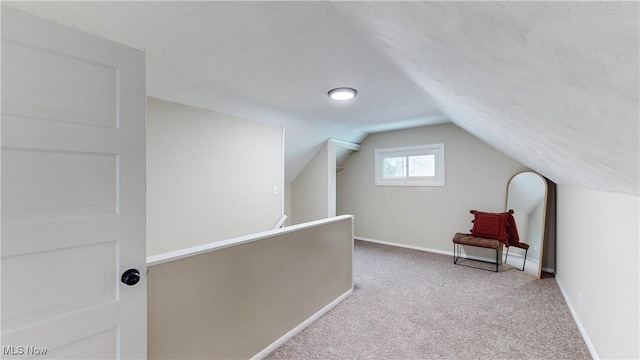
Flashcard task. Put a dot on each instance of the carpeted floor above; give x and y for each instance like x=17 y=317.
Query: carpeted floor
x=410 y=304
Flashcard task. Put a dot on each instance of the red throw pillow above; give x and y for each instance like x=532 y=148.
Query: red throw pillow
x=490 y=225
x=512 y=230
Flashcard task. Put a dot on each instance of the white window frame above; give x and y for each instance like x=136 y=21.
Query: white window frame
x=406 y=151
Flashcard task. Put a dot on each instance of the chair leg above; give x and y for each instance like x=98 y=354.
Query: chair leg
x=506 y=256
x=525 y=258
x=497 y=259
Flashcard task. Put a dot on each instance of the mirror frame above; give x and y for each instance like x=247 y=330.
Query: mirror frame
x=544 y=218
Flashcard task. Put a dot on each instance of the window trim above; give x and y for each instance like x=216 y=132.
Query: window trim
x=428 y=149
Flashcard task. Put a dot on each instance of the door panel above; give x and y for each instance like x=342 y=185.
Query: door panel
x=91 y=194
x=94 y=285
x=73 y=192
x=59 y=79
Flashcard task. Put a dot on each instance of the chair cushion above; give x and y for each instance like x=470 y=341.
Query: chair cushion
x=467 y=239
x=490 y=225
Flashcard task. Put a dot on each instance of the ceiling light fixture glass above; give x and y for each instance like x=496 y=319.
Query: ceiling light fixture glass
x=342 y=93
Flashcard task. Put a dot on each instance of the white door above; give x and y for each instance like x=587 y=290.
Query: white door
x=73 y=193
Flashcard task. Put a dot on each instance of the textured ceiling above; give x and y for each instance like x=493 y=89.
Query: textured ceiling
x=272 y=62
x=554 y=85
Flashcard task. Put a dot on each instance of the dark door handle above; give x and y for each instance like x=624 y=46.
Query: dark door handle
x=130 y=277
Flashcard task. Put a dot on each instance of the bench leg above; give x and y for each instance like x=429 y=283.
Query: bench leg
x=457 y=249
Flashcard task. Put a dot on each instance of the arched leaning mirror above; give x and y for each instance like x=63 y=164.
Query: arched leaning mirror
x=527 y=197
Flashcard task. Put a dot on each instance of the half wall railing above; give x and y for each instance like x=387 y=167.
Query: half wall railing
x=244 y=297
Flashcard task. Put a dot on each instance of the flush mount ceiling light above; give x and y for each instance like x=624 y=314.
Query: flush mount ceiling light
x=342 y=93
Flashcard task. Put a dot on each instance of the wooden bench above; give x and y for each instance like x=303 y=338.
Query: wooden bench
x=460 y=239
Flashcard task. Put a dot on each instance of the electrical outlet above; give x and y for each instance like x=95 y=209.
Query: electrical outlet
x=274 y=190
x=581 y=299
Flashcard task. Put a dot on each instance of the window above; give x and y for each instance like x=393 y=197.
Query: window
x=421 y=165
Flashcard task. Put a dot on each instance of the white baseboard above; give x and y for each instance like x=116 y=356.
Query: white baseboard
x=404 y=246
x=450 y=253
x=583 y=332
x=284 y=338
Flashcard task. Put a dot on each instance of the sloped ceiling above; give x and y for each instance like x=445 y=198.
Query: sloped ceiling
x=552 y=84
x=272 y=62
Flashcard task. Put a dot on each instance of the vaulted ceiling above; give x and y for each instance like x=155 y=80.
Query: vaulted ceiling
x=554 y=85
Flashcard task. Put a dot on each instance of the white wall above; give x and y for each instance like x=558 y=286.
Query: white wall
x=597 y=255
x=209 y=176
x=427 y=217
x=311 y=191
x=287 y=204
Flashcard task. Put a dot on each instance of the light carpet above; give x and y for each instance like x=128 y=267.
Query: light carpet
x=411 y=304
